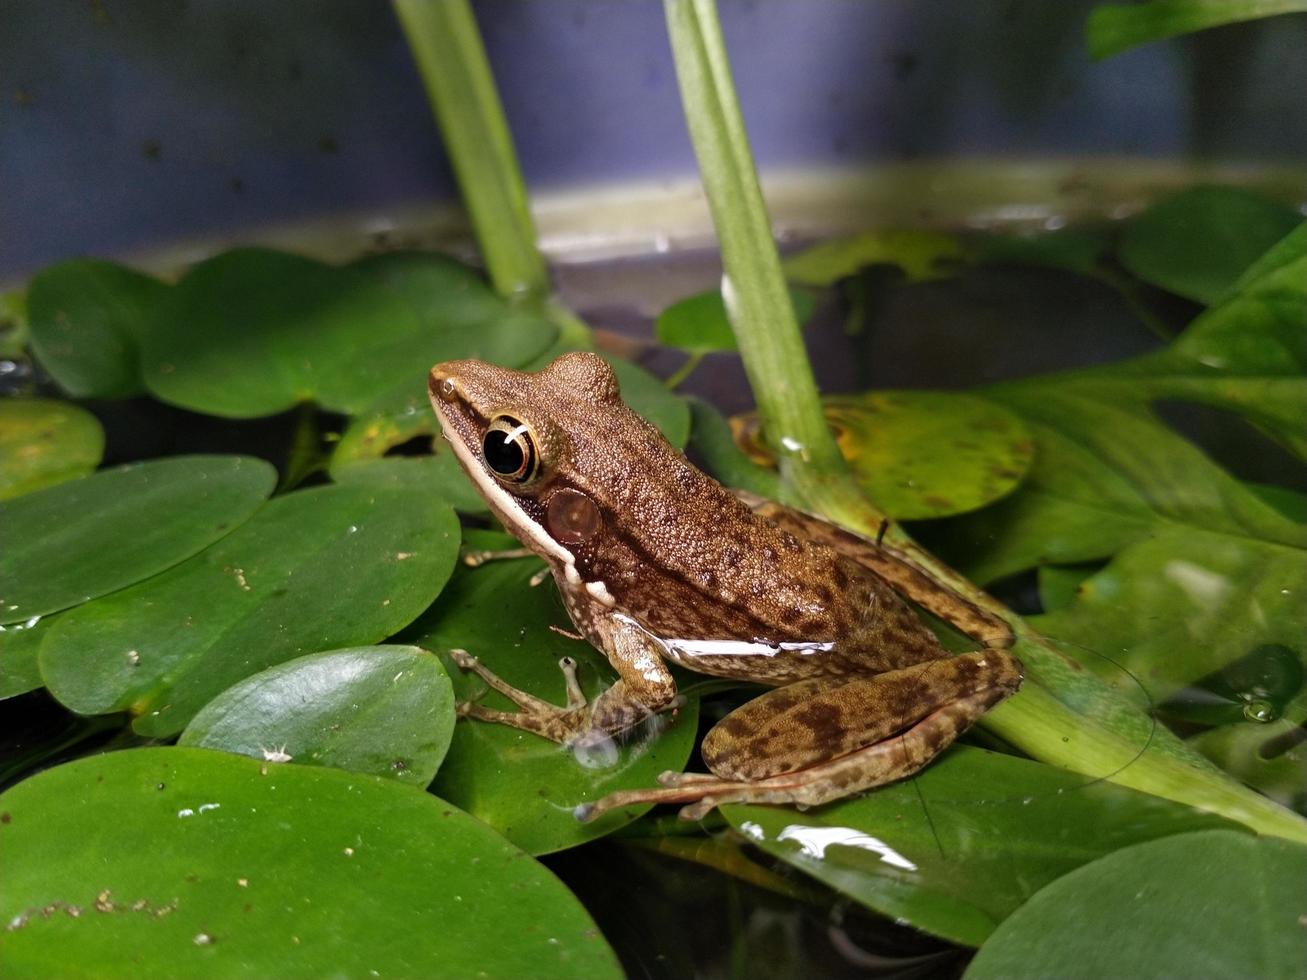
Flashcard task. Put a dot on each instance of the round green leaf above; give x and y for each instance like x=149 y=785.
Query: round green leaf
x=176 y=862
x=388 y=711
x=522 y=785
x=44 y=442
x=1214 y=905
x=87 y=319
x=926 y=454
x=314 y=570
x=699 y=323
x=85 y=538
x=1199 y=242
x=918 y=253
x=963 y=844
x=252 y=332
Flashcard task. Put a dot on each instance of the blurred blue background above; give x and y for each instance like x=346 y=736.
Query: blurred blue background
x=128 y=124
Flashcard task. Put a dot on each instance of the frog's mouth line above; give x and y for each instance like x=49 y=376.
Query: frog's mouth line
x=506 y=508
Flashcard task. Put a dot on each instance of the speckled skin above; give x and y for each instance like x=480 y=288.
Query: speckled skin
x=669 y=558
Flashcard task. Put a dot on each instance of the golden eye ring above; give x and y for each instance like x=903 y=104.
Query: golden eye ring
x=509 y=450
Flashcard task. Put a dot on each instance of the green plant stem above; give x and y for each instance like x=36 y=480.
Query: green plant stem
x=447 y=47
x=1062 y=716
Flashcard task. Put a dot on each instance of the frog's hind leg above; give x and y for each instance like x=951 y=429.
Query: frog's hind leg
x=906 y=577
x=827 y=738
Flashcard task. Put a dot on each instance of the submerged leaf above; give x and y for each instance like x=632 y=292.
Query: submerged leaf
x=313 y=570
x=385 y=710
x=1197 y=243
x=918 y=253
x=963 y=844
x=44 y=442
x=174 y=862
x=82 y=539
x=521 y=784
x=1215 y=904
x=87 y=319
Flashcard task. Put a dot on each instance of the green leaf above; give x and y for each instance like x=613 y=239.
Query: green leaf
x=1197 y=243
x=82 y=539
x=1214 y=904
x=522 y=785
x=1071 y=249
x=1261 y=327
x=1117 y=27
x=438 y=475
x=926 y=454
x=19 y=643
x=962 y=845
x=648 y=396
x=1269 y=756
x=252 y=332
x=385 y=710
x=182 y=862
x=44 y=442
x=87 y=319
x=699 y=323
x=918 y=253
x=313 y=570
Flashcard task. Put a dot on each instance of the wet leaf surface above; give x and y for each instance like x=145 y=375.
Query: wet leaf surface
x=19 y=644
x=1198 y=243
x=1214 y=904
x=522 y=785
x=87 y=319
x=310 y=571
x=85 y=538
x=44 y=442
x=384 y=710
x=258 y=870
x=965 y=843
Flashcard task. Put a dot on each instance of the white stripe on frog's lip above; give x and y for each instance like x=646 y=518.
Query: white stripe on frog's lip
x=527 y=531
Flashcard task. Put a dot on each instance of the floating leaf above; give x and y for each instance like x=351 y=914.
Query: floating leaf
x=918 y=253
x=522 y=785
x=313 y=570
x=438 y=475
x=925 y=454
x=385 y=710
x=19 y=643
x=88 y=537
x=1117 y=27
x=87 y=319
x=44 y=442
x=1199 y=242
x=700 y=324
x=963 y=844
x=1215 y=904
x=182 y=862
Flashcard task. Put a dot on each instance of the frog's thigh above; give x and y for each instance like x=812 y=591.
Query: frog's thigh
x=813 y=722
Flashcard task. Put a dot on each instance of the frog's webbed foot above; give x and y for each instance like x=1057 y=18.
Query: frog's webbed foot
x=534 y=714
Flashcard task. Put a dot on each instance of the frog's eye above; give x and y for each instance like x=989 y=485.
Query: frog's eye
x=509 y=450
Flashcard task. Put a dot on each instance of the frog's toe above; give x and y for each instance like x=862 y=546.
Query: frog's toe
x=673 y=778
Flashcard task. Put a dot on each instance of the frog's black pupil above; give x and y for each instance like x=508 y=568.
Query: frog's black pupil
x=506 y=456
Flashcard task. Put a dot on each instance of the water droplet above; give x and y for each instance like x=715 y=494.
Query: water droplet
x=1259 y=710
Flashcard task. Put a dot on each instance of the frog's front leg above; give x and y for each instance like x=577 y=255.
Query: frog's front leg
x=829 y=737
x=644 y=687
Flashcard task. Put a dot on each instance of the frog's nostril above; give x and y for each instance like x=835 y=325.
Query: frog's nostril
x=442 y=386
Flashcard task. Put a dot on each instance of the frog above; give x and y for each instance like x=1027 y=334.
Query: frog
x=658 y=564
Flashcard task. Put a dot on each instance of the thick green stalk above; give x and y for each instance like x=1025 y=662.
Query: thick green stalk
x=1061 y=716
x=447 y=47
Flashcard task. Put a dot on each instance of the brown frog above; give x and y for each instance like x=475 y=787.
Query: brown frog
x=657 y=563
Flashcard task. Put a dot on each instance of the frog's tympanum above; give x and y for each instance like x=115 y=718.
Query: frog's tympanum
x=659 y=563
